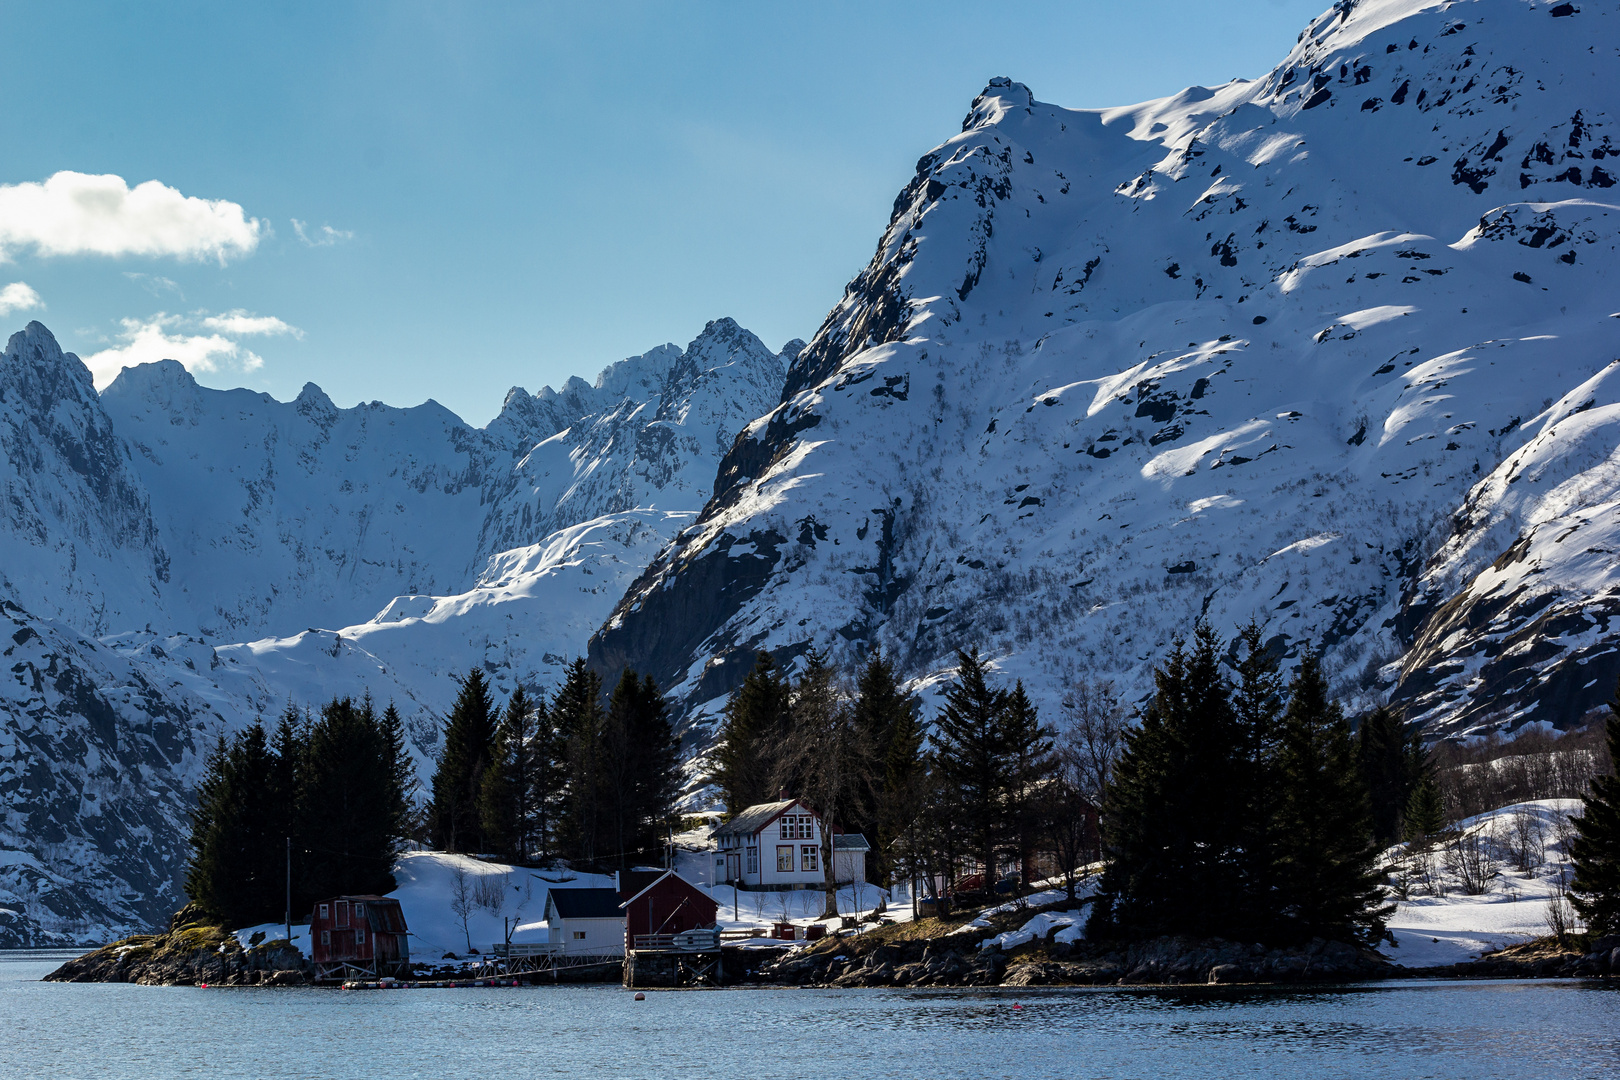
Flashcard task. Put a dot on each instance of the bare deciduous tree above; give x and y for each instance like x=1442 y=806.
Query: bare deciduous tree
x=462 y=902
x=1094 y=734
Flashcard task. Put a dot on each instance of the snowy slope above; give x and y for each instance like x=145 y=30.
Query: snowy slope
x=1245 y=351
x=1440 y=923
x=218 y=553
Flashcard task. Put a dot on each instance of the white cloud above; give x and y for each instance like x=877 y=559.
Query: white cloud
x=325 y=236
x=18 y=296
x=167 y=337
x=242 y=323
x=77 y=214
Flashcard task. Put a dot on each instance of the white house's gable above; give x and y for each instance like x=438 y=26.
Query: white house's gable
x=772 y=845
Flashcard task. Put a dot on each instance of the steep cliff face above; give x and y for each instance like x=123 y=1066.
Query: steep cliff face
x=1241 y=353
x=78 y=541
x=98 y=755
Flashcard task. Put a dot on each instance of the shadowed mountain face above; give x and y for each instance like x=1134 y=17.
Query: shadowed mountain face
x=1328 y=350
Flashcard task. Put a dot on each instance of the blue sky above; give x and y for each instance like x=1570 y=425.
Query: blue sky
x=402 y=201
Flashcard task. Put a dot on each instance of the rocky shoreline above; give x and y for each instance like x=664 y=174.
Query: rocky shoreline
x=928 y=953
x=192 y=952
x=850 y=962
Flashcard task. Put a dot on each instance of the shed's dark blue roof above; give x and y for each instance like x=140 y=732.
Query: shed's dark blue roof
x=586 y=903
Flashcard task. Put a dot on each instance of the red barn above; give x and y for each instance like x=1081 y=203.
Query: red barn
x=665 y=906
x=357 y=936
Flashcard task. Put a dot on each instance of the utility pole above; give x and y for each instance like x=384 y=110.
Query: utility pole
x=289 y=890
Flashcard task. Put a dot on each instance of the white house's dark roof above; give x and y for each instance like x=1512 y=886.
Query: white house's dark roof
x=586 y=903
x=850 y=841
x=754 y=818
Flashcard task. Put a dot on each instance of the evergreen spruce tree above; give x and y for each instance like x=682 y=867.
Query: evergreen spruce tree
x=1257 y=706
x=1425 y=814
x=469 y=735
x=347 y=803
x=401 y=775
x=506 y=799
x=1026 y=746
x=212 y=864
x=576 y=710
x=656 y=781
x=887 y=718
x=1392 y=762
x=1327 y=856
x=639 y=771
x=970 y=760
x=1174 y=826
x=498 y=796
x=755 y=724
x=235 y=871
x=547 y=782
x=286 y=779
x=1595 y=851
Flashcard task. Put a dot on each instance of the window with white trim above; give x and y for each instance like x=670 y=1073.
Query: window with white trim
x=326 y=937
x=797 y=826
x=784 y=859
x=809 y=857
x=753 y=860
x=360 y=935
x=326 y=911
x=579 y=935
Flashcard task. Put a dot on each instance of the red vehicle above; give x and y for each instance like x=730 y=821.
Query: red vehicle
x=356 y=937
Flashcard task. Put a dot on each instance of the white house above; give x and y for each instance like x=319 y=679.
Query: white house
x=578 y=922
x=777 y=845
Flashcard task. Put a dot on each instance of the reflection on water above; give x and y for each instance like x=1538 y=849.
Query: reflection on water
x=1545 y=1029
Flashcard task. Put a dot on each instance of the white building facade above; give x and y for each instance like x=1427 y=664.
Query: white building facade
x=778 y=845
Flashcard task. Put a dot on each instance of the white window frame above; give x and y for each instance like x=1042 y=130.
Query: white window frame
x=753 y=859
x=579 y=935
x=359 y=935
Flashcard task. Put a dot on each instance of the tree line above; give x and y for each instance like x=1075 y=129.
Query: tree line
x=575 y=778
x=1233 y=802
x=328 y=796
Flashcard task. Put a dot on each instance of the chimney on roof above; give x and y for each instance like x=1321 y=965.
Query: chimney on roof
x=783 y=795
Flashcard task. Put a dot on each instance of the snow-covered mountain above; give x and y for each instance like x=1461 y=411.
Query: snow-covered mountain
x=1333 y=349
x=178 y=560
x=1330 y=349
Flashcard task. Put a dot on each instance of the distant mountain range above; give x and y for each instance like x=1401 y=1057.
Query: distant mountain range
x=1333 y=349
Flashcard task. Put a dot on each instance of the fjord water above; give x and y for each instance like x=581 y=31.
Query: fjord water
x=1409 y=1029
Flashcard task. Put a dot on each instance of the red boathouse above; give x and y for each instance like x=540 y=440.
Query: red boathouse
x=359 y=937
x=665 y=906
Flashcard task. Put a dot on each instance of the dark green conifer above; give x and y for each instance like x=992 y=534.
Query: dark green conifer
x=755 y=724
x=1595 y=850
x=1392 y=761
x=1026 y=748
x=347 y=803
x=968 y=750
x=235 y=871
x=1425 y=814
x=576 y=709
x=887 y=718
x=1176 y=813
x=401 y=774
x=1327 y=857
x=469 y=736
x=1257 y=706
